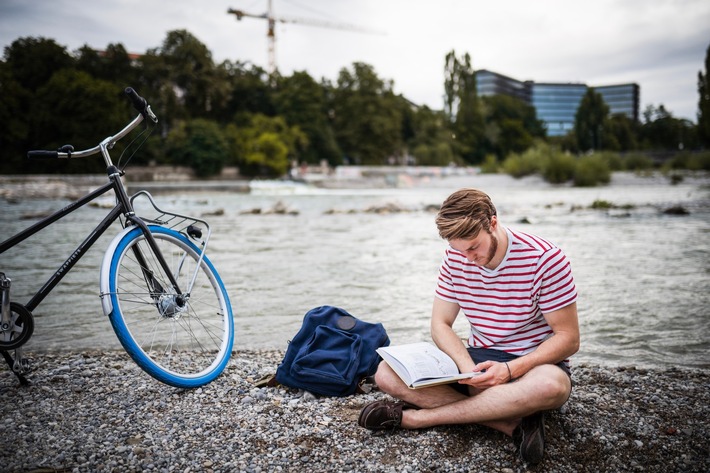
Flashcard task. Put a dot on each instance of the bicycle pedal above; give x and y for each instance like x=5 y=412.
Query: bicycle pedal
x=21 y=365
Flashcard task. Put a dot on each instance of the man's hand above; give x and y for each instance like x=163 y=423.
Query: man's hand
x=493 y=373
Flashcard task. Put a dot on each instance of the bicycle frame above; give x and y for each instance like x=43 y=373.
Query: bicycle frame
x=122 y=207
x=16 y=321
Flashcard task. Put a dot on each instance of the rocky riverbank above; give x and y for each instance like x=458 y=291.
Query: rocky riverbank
x=97 y=411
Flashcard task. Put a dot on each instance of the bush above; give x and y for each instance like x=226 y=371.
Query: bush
x=613 y=160
x=490 y=165
x=691 y=161
x=591 y=170
x=559 y=168
x=530 y=162
x=637 y=162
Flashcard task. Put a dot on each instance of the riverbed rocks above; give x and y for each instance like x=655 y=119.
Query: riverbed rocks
x=97 y=411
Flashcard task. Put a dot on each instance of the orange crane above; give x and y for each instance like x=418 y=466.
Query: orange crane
x=272 y=20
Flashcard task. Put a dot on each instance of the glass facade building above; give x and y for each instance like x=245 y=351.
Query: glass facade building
x=622 y=98
x=556 y=103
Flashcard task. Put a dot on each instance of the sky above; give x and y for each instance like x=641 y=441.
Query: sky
x=658 y=44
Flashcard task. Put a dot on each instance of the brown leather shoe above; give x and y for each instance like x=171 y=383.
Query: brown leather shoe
x=529 y=436
x=380 y=415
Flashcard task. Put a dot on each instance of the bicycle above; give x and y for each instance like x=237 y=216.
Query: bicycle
x=164 y=298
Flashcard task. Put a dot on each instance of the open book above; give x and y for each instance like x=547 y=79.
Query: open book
x=422 y=364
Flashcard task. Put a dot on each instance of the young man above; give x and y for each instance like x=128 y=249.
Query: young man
x=517 y=292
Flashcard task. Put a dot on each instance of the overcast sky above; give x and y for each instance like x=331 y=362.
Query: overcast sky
x=659 y=44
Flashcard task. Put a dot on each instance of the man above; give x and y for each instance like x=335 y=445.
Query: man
x=517 y=292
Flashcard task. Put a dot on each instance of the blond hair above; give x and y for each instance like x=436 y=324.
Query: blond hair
x=464 y=214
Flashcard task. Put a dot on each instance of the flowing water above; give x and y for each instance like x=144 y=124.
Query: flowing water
x=642 y=275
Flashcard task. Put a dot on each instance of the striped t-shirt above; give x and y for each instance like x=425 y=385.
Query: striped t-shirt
x=505 y=306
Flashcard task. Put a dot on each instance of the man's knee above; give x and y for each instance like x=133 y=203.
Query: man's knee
x=552 y=384
x=386 y=379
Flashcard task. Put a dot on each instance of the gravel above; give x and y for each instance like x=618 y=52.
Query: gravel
x=97 y=411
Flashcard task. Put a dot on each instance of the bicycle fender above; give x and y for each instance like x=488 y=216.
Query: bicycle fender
x=106 y=304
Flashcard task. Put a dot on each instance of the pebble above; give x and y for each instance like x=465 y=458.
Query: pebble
x=97 y=411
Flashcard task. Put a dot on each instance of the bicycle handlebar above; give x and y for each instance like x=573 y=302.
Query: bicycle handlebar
x=67 y=151
x=139 y=103
x=39 y=154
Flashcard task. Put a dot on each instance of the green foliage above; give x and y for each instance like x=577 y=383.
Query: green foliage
x=559 y=167
x=619 y=133
x=32 y=61
x=367 y=116
x=589 y=121
x=437 y=154
x=490 y=165
x=302 y=102
x=527 y=163
x=431 y=143
x=269 y=154
x=662 y=131
x=52 y=97
x=80 y=111
x=200 y=145
x=691 y=161
x=704 y=103
x=601 y=204
x=265 y=146
x=636 y=162
x=510 y=125
x=591 y=170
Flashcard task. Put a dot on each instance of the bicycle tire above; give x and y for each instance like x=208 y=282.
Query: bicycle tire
x=185 y=347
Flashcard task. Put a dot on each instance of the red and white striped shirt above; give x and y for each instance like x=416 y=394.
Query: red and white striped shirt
x=505 y=306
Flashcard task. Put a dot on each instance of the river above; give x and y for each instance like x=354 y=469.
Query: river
x=642 y=275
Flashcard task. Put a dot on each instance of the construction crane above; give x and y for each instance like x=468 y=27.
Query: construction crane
x=272 y=20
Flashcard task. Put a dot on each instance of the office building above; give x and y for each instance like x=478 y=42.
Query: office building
x=556 y=103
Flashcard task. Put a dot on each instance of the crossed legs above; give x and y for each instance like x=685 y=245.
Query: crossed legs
x=499 y=407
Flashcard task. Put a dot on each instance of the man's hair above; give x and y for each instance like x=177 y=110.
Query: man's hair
x=464 y=214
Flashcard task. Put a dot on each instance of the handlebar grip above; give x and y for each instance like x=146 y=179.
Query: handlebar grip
x=41 y=154
x=139 y=103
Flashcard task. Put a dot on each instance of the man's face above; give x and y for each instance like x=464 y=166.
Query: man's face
x=480 y=250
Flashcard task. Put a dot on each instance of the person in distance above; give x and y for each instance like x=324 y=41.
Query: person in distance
x=517 y=292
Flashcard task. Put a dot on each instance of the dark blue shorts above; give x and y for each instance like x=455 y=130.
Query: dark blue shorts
x=479 y=355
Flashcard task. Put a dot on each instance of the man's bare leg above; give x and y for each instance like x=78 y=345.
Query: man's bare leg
x=499 y=407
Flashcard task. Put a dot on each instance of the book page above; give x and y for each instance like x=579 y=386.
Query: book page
x=421 y=361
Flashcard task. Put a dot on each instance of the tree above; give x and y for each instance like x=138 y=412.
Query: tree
x=302 y=102
x=113 y=65
x=32 y=61
x=190 y=69
x=431 y=143
x=704 y=103
x=78 y=110
x=200 y=145
x=620 y=133
x=463 y=107
x=662 y=131
x=511 y=125
x=265 y=146
x=589 y=121
x=14 y=121
x=366 y=116
x=248 y=93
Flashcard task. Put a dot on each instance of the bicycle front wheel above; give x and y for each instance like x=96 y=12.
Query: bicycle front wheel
x=182 y=340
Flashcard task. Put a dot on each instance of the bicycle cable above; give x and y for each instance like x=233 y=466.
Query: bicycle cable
x=149 y=129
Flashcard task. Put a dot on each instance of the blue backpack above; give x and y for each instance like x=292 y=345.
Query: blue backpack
x=331 y=353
